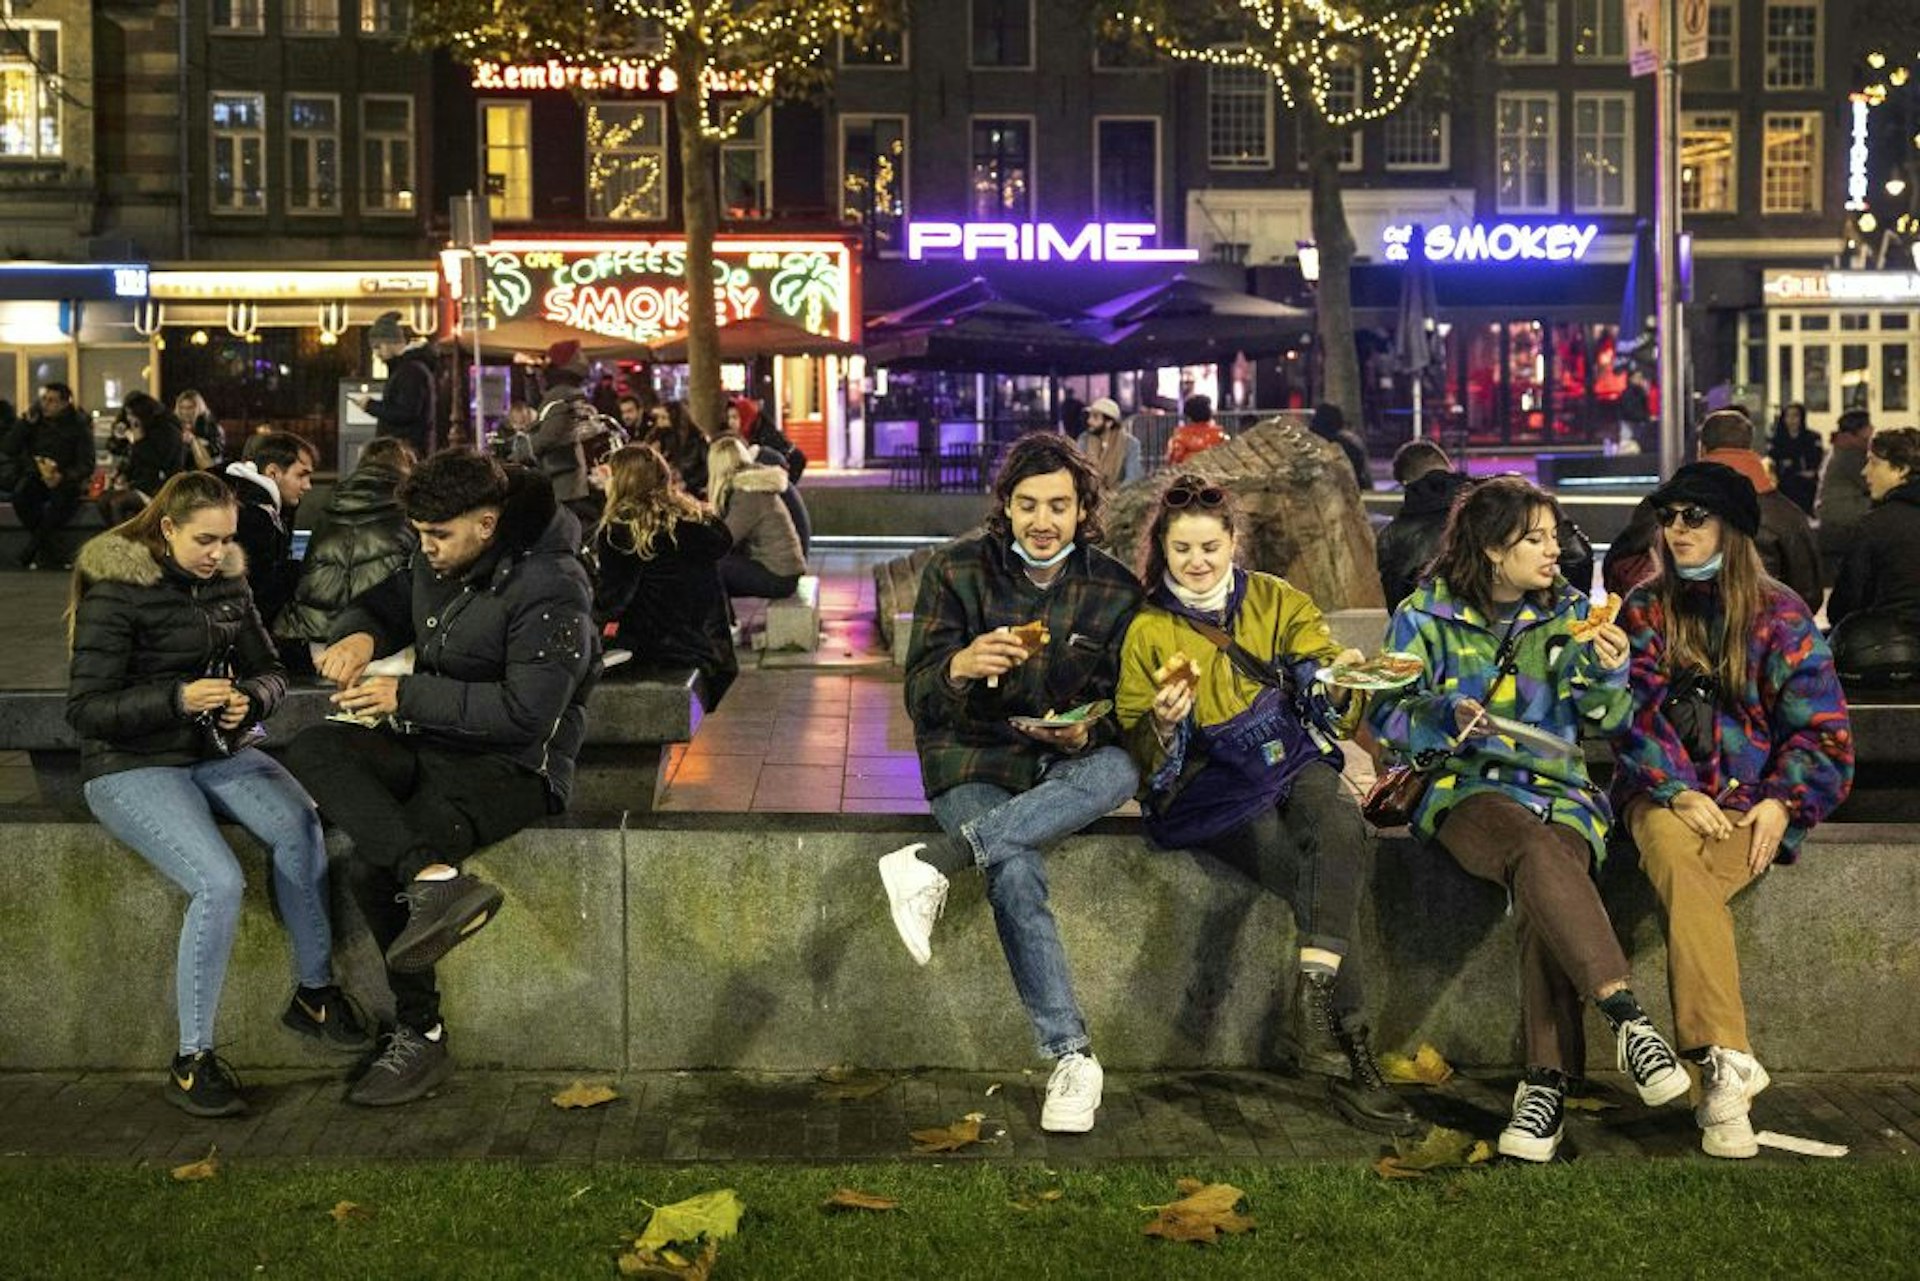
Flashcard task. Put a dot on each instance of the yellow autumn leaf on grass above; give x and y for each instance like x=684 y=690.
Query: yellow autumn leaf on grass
x=1438 y=1149
x=850 y=1084
x=1588 y=1103
x=854 y=1199
x=711 y=1216
x=1426 y=1067
x=669 y=1265
x=1202 y=1214
x=582 y=1095
x=206 y=1167
x=950 y=1138
x=345 y=1210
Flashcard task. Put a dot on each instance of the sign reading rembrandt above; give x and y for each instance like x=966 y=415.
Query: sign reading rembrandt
x=637 y=289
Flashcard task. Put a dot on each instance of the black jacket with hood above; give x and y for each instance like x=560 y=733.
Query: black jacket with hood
x=145 y=628
x=505 y=653
x=405 y=407
x=1413 y=535
x=1881 y=571
x=361 y=540
x=265 y=534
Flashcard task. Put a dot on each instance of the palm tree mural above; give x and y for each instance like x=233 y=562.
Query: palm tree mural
x=805 y=285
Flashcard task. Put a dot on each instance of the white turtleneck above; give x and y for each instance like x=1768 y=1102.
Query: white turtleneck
x=1211 y=601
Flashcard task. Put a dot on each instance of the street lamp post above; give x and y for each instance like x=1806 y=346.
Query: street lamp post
x=1666 y=192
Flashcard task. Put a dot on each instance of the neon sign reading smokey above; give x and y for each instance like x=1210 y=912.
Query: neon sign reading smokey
x=1041 y=242
x=1496 y=242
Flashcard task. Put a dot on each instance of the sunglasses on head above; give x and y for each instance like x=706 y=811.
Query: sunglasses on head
x=1195 y=496
x=1695 y=516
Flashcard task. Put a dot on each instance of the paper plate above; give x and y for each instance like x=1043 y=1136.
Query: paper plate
x=1370 y=674
x=1063 y=720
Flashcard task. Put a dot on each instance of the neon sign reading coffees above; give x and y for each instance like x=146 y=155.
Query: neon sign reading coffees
x=1041 y=242
x=1496 y=242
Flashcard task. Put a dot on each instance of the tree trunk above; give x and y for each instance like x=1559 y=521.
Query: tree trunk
x=1339 y=363
x=699 y=207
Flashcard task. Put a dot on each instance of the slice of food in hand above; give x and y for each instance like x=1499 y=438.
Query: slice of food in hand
x=1033 y=637
x=1177 y=670
x=1387 y=669
x=1585 y=629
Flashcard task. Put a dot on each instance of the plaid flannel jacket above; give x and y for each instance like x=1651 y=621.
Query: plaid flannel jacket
x=973 y=586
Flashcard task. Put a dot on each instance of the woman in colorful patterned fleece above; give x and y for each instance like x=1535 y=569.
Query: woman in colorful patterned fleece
x=1493 y=621
x=1739 y=744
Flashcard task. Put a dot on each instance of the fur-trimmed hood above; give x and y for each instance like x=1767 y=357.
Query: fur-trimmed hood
x=115 y=558
x=758 y=478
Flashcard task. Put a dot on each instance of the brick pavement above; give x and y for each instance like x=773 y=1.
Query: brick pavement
x=684 y=1117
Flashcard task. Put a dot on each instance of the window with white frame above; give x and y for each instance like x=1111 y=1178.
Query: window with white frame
x=239 y=17
x=1239 y=118
x=1599 y=30
x=1416 y=138
x=1790 y=166
x=1527 y=143
x=313 y=17
x=239 y=168
x=1002 y=33
x=1792 y=45
x=313 y=153
x=746 y=168
x=1720 y=69
x=627 y=161
x=885 y=49
x=1126 y=169
x=873 y=178
x=1342 y=97
x=1707 y=141
x=1722 y=28
x=1002 y=171
x=30 y=123
x=506 y=141
x=386 y=153
x=1602 y=153
x=1531 y=32
x=385 y=17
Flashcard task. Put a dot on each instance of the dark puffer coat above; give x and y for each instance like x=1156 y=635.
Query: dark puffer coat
x=1413 y=535
x=143 y=630
x=671 y=608
x=505 y=653
x=361 y=540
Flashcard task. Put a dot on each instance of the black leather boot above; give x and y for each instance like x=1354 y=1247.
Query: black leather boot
x=1311 y=1040
x=1362 y=1096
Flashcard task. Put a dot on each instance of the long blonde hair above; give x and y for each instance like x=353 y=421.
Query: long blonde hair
x=727 y=457
x=1744 y=589
x=644 y=498
x=184 y=494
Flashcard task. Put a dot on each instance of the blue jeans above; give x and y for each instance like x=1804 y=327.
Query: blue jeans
x=167 y=814
x=1008 y=833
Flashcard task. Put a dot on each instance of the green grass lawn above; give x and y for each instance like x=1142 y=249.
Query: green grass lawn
x=1598 y=1219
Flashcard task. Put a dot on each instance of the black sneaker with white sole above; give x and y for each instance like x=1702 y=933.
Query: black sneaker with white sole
x=329 y=1016
x=1539 y=1118
x=202 y=1084
x=440 y=916
x=410 y=1065
x=1644 y=1055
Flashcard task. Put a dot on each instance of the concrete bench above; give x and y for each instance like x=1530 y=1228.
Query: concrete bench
x=794 y=623
x=705 y=941
x=631 y=719
x=85 y=524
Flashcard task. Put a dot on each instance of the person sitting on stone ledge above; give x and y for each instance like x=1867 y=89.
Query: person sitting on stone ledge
x=1785 y=542
x=361 y=539
x=1241 y=763
x=1004 y=788
x=767 y=558
x=1493 y=626
x=475 y=744
x=172 y=674
x=1739 y=745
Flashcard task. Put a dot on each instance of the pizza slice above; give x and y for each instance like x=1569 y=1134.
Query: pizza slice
x=1177 y=670
x=1033 y=637
x=1585 y=629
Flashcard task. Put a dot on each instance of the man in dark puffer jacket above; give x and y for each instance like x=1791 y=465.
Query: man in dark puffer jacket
x=1410 y=539
x=478 y=742
x=361 y=540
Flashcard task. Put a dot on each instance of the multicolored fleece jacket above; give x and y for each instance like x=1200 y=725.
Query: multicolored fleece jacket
x=1558 y=686
x=1787 y=736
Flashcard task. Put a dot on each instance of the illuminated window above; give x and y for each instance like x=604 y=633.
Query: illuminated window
x=1527 y=146
x=873 y=178
x=384 y=17
x=1126 y=168
x=746 y=169
x=239 y=171
x=386 y=153
x=241 y=17
x=1002 y=33
x=1002 y=171
x=313 y=17
x=1239 y=118
x=1602 y=153
x=1415 y=138
x=30 y=90
x=1531 y=32
x=627 y=161
x=1599 y=31
x=1707 y=162
x=1793 y=46
x=313 y=153
x=506 y=130
x=1790 y=168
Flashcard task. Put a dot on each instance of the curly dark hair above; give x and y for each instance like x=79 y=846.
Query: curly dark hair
x=1496 y=513
x=452 y=483
x=1042 y=454
x=1899 y=446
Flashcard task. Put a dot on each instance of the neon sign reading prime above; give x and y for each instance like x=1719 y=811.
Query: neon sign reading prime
x=1040 y=242
x=1496 y=242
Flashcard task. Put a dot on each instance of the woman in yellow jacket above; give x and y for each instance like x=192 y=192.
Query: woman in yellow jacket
x=1241 y=762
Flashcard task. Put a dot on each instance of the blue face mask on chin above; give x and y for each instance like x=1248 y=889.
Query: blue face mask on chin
x=1021 y=551
x=1706 y=571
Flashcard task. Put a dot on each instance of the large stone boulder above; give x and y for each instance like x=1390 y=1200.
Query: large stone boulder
x=1301 y=515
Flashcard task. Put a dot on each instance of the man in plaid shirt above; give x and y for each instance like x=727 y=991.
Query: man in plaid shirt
x=1003 y=795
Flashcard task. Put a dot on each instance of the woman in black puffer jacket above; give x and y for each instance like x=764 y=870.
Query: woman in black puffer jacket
x=147 y=447
x=360 y=541
x=172 y=674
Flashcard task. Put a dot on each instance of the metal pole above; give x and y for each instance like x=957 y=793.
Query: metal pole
x=1666 y=192
x=1419 y=378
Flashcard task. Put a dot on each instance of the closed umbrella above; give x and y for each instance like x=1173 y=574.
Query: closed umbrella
x=1416 y=340
x=756 y=336
x=1639 y=311
x=1184 y=321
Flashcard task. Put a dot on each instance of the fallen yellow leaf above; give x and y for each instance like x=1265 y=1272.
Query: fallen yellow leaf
x=853 y=1199
x=949 y=1138
x=668 y=1265
x=850 y=1084
x=1389 y=1167
x=344 y=1210
x=206 y=1167
x=1426 y=1067
x=1438 y=1149
x=582 y=1095
x=711 y=1216
x=1203 y=1212
x=1587 y=1103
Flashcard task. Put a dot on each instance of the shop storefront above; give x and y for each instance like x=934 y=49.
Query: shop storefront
x=1840 y=340
x=73 y=323
x=619 y=295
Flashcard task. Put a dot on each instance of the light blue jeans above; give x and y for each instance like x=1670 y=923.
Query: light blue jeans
x=168 y=814
x=1008 y=834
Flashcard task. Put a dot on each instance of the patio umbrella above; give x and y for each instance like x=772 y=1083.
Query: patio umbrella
x=534 y=334
x=1639 y=309
x=1416 y=343
x=1183 y=321
x=987 y=335
x=756 y=336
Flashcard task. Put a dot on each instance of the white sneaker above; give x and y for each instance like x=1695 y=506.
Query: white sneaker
x=1073 y=1094
x=1729 y=1080
x=1644 y=1055
x=916 y=893
x=1733 y=1139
